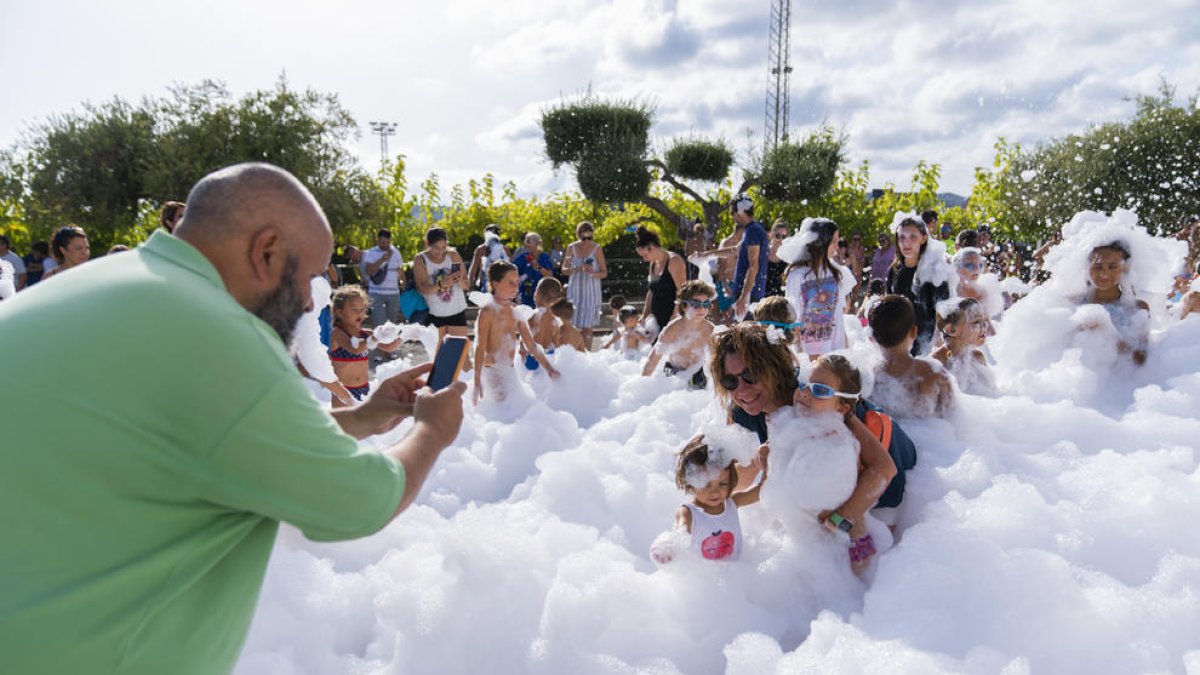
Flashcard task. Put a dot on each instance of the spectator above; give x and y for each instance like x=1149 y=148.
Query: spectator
x=150 y=560
x=37 y=262
x=441 y=279
x=172 y=213
x=486 y=253
x=750 y=274
x=532 y=264
x=556 y=255
x=667 y=276
x=381 y=267
x=776 y=267
x=585 y=267
x=19 y=273
x=883 y=258
x=697 y=243
x=70 y=247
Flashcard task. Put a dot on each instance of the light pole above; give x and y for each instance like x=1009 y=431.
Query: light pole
x=384 y=129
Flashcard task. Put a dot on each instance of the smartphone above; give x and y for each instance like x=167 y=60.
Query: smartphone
x=449 y=362
x=455 y=268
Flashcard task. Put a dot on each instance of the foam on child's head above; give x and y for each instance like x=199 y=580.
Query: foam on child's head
x=627 y=312
x=1150 y=263
x=718 y=447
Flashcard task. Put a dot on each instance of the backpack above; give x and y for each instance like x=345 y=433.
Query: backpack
x=898 y=445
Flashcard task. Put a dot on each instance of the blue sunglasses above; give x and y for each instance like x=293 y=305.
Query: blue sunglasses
x=822 y=391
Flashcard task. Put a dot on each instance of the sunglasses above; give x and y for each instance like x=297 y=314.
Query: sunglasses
x=731 y=382
x=781 y=236
x=698 y=304
x=585 y=237
x=822 y=391
x=974 y=267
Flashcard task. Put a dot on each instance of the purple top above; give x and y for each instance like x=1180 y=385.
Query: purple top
x=881 y=261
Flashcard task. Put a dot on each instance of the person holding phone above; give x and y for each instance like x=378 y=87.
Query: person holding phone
x=441 y=280
x=585 y=267
x=383 y=267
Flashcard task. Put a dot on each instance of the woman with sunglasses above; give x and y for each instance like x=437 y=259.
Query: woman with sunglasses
x=683 y=341
x=776 y=266
x=584 y=266
x=667 y=275
x=753 y=377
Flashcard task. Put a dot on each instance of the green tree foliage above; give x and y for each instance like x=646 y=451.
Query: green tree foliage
x=105 y=167
x=1150 y=164
x=804 y=171
x=699 y=159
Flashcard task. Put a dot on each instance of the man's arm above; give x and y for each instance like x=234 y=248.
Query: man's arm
x=748 y=281
x=438 y=418
x=476 y=263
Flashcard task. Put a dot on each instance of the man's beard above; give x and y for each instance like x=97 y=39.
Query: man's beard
x=282 y=307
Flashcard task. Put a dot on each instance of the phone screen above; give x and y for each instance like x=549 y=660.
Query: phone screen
x=454 y=267
x=448 y=363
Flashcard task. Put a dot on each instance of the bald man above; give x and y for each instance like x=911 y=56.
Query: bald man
x=143 y=485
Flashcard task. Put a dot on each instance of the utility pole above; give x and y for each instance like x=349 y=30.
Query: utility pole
x=779 y=70
x=383 y=129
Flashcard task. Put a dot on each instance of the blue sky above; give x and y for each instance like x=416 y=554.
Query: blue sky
x=465 y=79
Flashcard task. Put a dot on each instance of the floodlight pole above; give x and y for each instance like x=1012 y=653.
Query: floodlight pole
x=383 y=129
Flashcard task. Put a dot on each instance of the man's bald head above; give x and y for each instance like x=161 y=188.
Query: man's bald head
x=264 y=233
x=239 y=200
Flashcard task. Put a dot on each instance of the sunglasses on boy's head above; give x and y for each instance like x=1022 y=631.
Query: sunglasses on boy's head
x=822 y=391
x=731 y=382
x=698 y=304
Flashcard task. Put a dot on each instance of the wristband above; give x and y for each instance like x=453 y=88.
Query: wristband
x=843 y=524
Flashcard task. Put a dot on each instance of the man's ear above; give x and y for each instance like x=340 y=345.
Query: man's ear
x=267 y=256
x=912 y=332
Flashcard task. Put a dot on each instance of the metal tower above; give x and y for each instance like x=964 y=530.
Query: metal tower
x=780 y=70
x=384 y=129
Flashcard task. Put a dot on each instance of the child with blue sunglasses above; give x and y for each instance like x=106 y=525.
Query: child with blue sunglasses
x=684 y=342
x=834 y=385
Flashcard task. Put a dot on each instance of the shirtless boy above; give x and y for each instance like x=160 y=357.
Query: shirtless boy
x=495 y=333
x=684 y=341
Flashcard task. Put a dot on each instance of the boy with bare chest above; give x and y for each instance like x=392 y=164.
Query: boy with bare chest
x=496 y=332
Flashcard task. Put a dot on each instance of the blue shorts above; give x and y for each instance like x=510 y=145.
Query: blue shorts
x=531 y=363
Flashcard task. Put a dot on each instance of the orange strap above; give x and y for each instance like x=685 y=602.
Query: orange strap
x=880 y=425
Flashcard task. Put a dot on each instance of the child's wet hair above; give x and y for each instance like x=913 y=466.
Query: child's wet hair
x=956 y=313
x=1115 y=245
x=563 y=309
x=626 y=313
x=346 y=293
x=548 y=289
x=616 y=302
x=690 y=291
x=849 y=379
x=695 y=453
x=891 y=319
x=777 y=309
x=498 y=270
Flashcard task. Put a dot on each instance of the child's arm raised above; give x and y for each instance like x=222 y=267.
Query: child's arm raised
x=752 y=495
x=533 y=348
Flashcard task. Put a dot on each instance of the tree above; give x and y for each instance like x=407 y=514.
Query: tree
x=607 y=142
x=1150 y=164
x=108 y=166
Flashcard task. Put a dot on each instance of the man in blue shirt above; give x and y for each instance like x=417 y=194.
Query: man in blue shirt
x=751 y=257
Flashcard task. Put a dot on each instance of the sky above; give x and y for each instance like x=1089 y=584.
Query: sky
x=466 y=80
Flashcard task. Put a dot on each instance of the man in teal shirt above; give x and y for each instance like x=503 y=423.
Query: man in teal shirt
x=142 y=485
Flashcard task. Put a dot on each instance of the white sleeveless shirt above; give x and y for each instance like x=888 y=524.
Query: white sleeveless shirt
x=449 y=301
x=716 y=537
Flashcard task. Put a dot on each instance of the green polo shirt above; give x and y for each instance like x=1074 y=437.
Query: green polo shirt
x=153 y=433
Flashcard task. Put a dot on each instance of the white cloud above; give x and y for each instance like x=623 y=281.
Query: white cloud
x=467 y=80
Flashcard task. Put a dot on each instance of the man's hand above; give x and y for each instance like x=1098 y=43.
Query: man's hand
x=392 y=401
x=739 y=309
x=439 y=414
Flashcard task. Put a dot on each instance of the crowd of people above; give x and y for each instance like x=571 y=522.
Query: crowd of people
x=218 y=447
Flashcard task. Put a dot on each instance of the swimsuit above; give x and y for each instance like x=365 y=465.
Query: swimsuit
x=531 y=362
x=698 y=380
x=360 y=391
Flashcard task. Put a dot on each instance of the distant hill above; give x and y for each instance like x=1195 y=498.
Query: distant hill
x=948 y=198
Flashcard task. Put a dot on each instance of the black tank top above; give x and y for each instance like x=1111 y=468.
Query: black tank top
x=662 y=296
